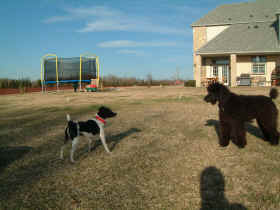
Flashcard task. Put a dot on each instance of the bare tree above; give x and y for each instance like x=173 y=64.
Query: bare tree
x=149 y=80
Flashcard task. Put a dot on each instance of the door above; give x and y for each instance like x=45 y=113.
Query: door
x=223 y=74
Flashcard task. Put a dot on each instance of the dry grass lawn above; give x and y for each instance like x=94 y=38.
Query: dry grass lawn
x=165 y=154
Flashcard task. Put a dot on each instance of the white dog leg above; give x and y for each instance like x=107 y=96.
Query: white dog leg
x=103 y=140
x=74 y=145
x=89 y=144
x=61 y=152
x=89 y=138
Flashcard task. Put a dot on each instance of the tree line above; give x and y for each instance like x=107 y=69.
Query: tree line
x=106 y=81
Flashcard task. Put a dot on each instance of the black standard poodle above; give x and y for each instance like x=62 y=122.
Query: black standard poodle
x=235 y=110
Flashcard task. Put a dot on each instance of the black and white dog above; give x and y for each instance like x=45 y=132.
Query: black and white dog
x=88 y=129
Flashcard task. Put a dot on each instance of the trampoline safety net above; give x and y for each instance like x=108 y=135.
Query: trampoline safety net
x=68 y=69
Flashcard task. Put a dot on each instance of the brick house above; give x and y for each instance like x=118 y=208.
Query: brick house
x=239 y=39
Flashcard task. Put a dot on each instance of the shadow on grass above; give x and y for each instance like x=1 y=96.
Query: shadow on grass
x=249 y=127
x=116 y=139
x=11 y=154
x=212 y=191
x=29 y=171
x=216 y=125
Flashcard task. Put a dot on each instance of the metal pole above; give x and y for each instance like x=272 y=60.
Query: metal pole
x=43 y=71
x=56 y=66
x=80 y=73
x=42 y=75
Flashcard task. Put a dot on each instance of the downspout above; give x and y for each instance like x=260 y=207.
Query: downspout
x=278 y=26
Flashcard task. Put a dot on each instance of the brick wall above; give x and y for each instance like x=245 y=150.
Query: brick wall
x=199 y=39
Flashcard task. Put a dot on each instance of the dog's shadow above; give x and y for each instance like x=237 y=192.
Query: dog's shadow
x=116 y=139
x=10 y=154
x=253 y=130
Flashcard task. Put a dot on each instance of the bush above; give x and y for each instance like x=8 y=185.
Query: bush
x=13 y=83
x=189 y=83
x=115 y=81
x=36 y=83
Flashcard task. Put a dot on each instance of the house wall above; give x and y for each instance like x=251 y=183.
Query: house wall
x=199 y=39
x=213 y=31
x=244 y=66
x=202 y=35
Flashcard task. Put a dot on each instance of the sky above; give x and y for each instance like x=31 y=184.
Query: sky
x=133 y=38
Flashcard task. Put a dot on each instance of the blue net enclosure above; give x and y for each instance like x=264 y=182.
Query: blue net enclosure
x=63 y=70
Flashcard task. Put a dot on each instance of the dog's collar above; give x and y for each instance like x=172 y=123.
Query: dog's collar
x=100 y=119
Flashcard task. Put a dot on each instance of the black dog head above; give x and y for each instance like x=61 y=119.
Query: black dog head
x=216 y=92
x=106 y=112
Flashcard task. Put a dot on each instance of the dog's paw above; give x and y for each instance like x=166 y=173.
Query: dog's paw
x=108 y=151
x=224 y=144
x=274 y=143
x=241 y=146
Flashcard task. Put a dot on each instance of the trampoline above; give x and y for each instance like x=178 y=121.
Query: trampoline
x=59 y=70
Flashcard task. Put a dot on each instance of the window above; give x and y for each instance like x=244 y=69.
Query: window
x=215 y=71
x=258 y=68
x=258 y=64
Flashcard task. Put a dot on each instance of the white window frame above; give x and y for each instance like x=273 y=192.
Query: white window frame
x=258 y=67
x=215 y=71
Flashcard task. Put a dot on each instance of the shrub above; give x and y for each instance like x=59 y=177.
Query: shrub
x=189 y=83
x=13 y=83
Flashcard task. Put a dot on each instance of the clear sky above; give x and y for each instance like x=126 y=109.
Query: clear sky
x=133 y=38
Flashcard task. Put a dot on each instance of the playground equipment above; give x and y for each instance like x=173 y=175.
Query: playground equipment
x=92 y=87
x=55 y=70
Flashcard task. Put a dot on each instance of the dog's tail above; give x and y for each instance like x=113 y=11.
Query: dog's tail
x=273 y=93
x=67 y=128
x=72 y=130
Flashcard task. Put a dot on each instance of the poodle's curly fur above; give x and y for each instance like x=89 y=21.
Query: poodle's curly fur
x=235 y=110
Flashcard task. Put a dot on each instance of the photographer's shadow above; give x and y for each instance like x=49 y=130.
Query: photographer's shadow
x=212 y=191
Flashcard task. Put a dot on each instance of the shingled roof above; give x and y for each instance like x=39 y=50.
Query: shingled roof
x=244 y=38
x=252 y=28
x=258 y=11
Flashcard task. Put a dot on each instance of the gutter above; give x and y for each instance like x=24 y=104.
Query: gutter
x=239 y=52
x=222 y=24
x=278 y=25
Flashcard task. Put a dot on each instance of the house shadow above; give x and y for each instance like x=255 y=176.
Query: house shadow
x=212 y=191
x=11 y=154
x=116 y=139
x=253 y=130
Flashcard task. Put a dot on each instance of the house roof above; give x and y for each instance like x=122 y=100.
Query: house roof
x=244 y=38
x=258 y=11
